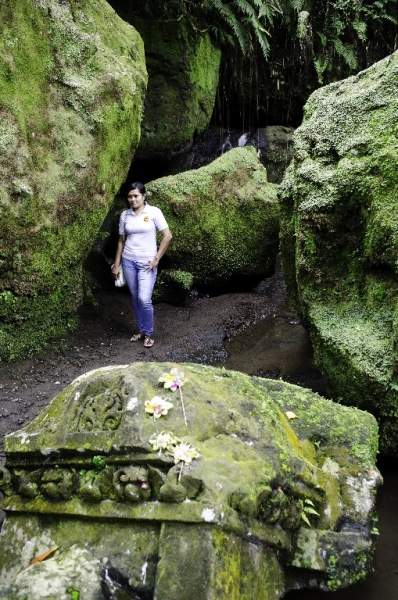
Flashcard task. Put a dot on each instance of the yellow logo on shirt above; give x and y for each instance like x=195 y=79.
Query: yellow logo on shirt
x=146 y=219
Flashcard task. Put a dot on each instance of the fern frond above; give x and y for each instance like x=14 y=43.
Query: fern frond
x=346 y=52
x=269 y=10
x=321 y=64
x=322 y=38
x=360 y=27
x=391 y=19
x=247 y=19
x=338 y=25
x=246 y=8
x=221 y=36
x=261 y=35
x=297 y=5
x=225 y=12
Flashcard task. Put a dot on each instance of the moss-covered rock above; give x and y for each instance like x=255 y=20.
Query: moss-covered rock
x=183 y=68
x=339 y=237
x=224 y=218
x=276 y=150
x=274 y=145
x=271 y=477
x=73 y=80
x=172 y=286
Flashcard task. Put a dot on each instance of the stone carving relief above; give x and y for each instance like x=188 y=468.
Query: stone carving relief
x=127 y=484
x=5 y=481
x=277 y=505
x=59 y=484
x=95 y=486
x=133 y=484
x=101 y=407
x=28 y=482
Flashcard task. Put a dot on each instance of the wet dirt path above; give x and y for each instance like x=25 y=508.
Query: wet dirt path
x=256 y=333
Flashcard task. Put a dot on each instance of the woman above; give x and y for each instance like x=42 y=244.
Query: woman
x=139 y=255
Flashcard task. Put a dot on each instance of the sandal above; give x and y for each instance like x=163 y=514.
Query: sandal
x=148 y=342
x=137 y=337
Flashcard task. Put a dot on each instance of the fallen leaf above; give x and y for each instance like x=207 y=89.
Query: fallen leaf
x=43 y=556
x=291 y=415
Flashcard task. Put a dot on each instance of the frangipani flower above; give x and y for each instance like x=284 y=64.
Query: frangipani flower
x=184 y=453
x=163 y=441
x=158 y=406
x=172 y=381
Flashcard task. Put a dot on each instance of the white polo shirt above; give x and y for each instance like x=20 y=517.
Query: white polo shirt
x=139 y=232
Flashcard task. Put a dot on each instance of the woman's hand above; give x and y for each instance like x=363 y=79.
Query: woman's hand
x=151 y=265
x=164 y=244
x=115 y=271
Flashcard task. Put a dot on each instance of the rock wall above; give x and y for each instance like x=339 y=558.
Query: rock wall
x=274 y=145
x=183 y=69
x=73 y=81
x=339 y=238
x=224 y=218
x=134 y=475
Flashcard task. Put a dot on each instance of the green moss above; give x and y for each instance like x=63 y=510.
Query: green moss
x=227 y=584
x=71 y=106
x=183 y=68
x=224 y=218
x=339 y=237
x=172 y=285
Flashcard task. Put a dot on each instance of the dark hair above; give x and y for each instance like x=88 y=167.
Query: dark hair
x=137 y=185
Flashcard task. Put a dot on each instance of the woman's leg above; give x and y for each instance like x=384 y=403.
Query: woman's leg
x=146 y=281
x=131 y=275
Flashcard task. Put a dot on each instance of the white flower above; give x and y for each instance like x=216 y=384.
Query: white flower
x=163 y=441
x=172 y=381
x=184 y=453
x=158 y=407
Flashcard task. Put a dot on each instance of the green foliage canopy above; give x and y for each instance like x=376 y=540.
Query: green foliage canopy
x=334 y=31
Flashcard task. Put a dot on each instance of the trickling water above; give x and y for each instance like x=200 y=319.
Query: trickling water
x=226 y=145
x=243 y=139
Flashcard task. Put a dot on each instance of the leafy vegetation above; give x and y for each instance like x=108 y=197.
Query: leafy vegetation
x=277 y=52
x=307 y=509
x=332 y=30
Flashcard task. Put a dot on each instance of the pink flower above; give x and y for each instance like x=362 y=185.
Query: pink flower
x=158 y=407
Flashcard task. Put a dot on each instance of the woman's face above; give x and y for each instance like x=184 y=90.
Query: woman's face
x=136 y=199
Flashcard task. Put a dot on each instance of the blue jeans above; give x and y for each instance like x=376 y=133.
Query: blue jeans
x=140 y=283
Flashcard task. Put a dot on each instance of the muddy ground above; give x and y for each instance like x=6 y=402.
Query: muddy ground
x=193 y=332
x=204 y=330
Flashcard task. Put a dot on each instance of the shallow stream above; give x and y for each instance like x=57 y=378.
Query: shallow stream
x=279 y=347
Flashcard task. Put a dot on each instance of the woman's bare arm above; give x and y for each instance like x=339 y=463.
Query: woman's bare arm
x=164 y=244
x=118 y=257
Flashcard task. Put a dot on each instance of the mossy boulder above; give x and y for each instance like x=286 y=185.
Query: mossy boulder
x=73 y=81
x=339 y=238
x=224 y=218
x=173 y=286
x=183 y=69
x=265 y=485
x=274 y=145
x=276 y=149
